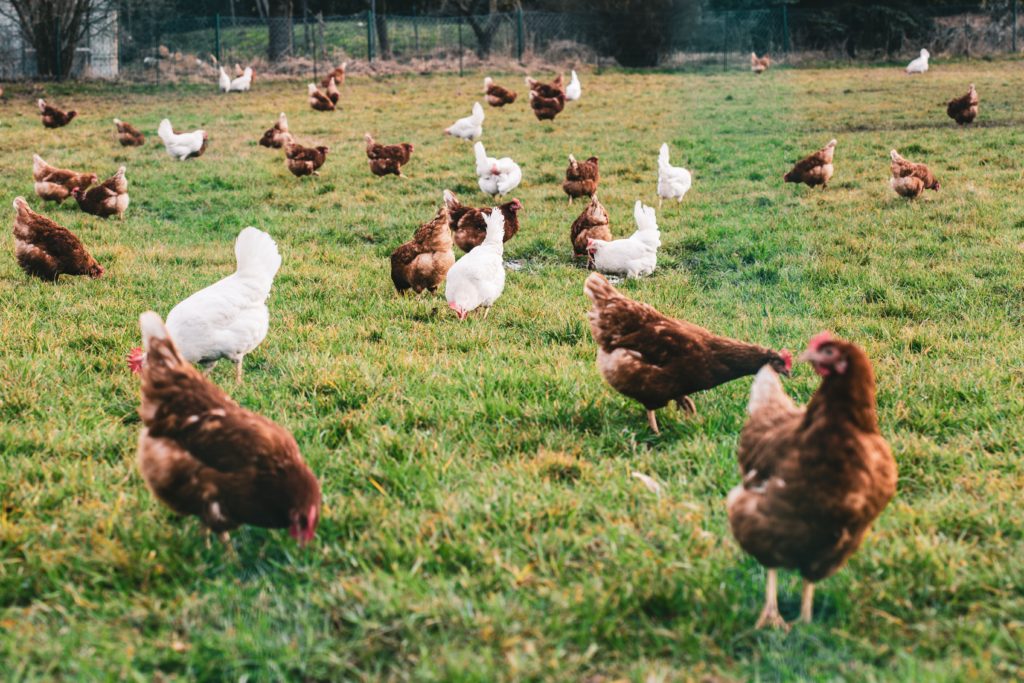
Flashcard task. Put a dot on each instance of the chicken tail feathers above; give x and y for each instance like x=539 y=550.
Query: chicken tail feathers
x=451 y=201
x=164 y=130
x=663 y=155
x=257 y=256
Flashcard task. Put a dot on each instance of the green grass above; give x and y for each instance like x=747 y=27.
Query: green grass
x=479 y=519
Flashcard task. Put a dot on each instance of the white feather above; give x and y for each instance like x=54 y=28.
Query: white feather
x=180 y=146
x=673 y=181
x=496 y=176
x=224 y=81
x=574 y=90
x=478 y=278
x=919 y=65
x=243 y=82
x=637 y=254
x=470 y=127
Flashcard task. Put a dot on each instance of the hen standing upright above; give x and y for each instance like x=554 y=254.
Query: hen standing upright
x=574 y=90
x=919 y=65
x=478 y=278
x=278 y=135
x=469 y=225
x=229 y=318
x=673 y=181
x=581 y=178
x=592 y=224
x=814 y=479
x=496 y=177
x=759 y=64
x=53 y=117
x=424 y=261
x=654 y=359
x=202 y=454
x=964 y=109
x=387 y=159
x=182 y=146
x=816 y=169
x=633 y=256
x=47 y=250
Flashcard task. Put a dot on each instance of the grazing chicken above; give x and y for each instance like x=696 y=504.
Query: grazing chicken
x=387 y=159
x=817 y=169
x=46 y=250
x=469 y=127
x=277 y=136
x=182 y=146
x=478 y=278
x=469 y=225
x=581 y=178
x=243 y=83
x=496 y=95
x=919 y=65
x=574 y=90
x=497 y=177
x=592 y=224
x=814 y=478
x=423 y=262
x=673 y=181
x=55 y=184
x=318 y=100
x=910 y=179
x=128 y=135
x=633 y=256
x=759 y=64
x=333 y=94
x=964 y=109
x=223 y=80
x=202 y=454
x=338 y=74
x=654 y=359
x=304 y=160
x=546 y=99
x=109 y=198
x=552 y=89
x=53 y=117
x=228 y=319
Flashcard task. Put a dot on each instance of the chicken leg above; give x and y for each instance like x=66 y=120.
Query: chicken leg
x=686 y=405
x=238 y=370
x=770 y=614
x=807 y=602
x=652 y=421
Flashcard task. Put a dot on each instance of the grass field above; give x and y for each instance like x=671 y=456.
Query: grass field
x=479 y=522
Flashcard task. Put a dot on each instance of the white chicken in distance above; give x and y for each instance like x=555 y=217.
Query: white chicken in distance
x=180 y=146
x=470 y=127
x=574 y=90
x=223 y=81
x=634 y=256
x=243 y=82
x=478 y=278
x=229 y=318
x=497 y=177
x=673 y=181
x=919 y=65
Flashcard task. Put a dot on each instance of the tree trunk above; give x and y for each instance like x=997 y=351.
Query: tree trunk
x=279 y=25
x=54 y=28
x=380 y=18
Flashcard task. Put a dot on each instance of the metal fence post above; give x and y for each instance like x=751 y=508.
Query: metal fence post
x=416 y=30
x=1015 y=26
x=519 y=34
x=60 y=71
x=460 y=46
x=369 y=34
x=785 y=28
x=216 y=37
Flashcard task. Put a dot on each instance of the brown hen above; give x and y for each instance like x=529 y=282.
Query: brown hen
x=468 y=225
x=581 y=178
x=423 y=262
x=815 y=169
x=110 y=198
x=47 y=250
x=55 y=184
x=387 y=159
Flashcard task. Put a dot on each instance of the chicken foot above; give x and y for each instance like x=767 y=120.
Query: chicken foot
x=770 y=614
x=807 y=602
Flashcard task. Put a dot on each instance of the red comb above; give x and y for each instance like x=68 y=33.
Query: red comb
x=819 y=339
x=787 y=358
x=135 y=358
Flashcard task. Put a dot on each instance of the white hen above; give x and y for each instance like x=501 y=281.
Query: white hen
x=181 y=146
x=673 y=181
x=229 y=318
x=243 y=82
x=470 y=127
x=574 y=90
x=919 y=65
x=498 y=177
x=634 y=256
x=223 y=81
x=478 y=278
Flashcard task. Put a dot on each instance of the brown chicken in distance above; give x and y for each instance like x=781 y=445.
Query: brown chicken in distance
x=278 y=135
x=338 y=74
x=332 y=92
x=496 y=95
x=581 y=178
x=47 y=250
x=654 y=359
x=814 y=478
x=109 y=198
x=759 y=64
x=546 y=99
x=53 y=117
x=910 y=180
x=592 y=224
x=423 y=262
x=318 y=100
x=128 y=135
x=304 y=160
x=387 y=159
x=817 y=169
x=202 y=454
x=468 y=225
x=964 y=109
x=55 y=184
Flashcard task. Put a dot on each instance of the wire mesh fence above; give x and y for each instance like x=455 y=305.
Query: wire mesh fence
x=147 y=46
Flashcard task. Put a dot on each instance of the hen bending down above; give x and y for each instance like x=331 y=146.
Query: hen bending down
x=654 y=359
x=814 y=478
x=387 y=159
x=592 y=224
x=759 y=64
x=469 y=225
x=228 y=319
x=633 y=256
x=53 y=117
x=816 y=169
x=202 y=454
x=964 y=109
x=278 y=135
x=496 y=177
x=318 y=100
x=424 y=261
x=128 y=135
x=109 y=198
x=302 y=161
x=56 y=184
x=478 y=278
x=47 y=250
x=910 y=179
x=182 y=146
x=496 y=95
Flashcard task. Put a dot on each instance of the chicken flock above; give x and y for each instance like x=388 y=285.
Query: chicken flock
x=813 y=479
